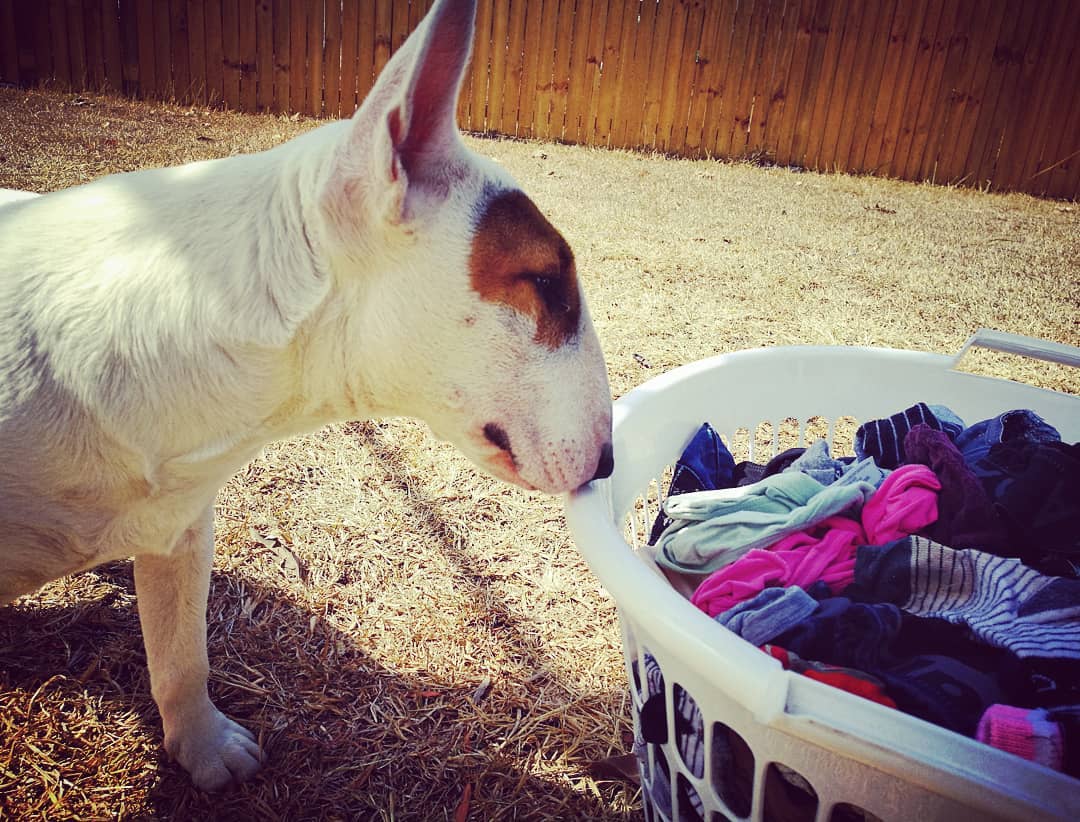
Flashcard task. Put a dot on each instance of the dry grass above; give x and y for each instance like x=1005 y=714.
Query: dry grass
x=412 y=640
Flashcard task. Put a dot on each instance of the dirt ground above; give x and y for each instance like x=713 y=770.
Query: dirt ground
x=408 y=638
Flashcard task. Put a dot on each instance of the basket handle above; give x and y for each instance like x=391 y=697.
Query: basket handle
x=1019 y=344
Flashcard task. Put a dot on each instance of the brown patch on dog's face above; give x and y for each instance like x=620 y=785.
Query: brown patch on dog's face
x=520 y=260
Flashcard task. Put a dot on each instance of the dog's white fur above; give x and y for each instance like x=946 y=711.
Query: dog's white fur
x=157 y=328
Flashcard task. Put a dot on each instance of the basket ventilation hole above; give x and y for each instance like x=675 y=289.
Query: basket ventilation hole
x=844 y=812
x=689 y=731
x=788 y=434
x=764 y=442
x=843 y=436
x=788 y=796
x=732 y=769
x=817 y=428
x=716 y=816
x=690 y=807
x=739 y=444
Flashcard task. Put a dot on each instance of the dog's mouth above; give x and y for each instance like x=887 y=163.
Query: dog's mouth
x=503 y=464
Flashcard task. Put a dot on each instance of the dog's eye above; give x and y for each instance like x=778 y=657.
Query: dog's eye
x=550 y=291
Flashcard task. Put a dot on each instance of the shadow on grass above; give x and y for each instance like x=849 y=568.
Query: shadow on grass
x=344 y=737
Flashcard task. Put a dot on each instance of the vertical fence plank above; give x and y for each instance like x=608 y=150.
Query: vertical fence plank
x=791 y=87
x=350 y=16
x=1014 y=118
x=315 y=57
x=870 y=64
x=365 y=49
x=95 y=45
x=530 y=57
x=607 y=90
x=545 y=70
x=76 y=44
x=794 y=150
x=1010 y=43
x=58 y=42
x=1058 y=170
x=475 y=100
x=630 y=107
x=929 y=128
x=840 y=92
x=1049 y=120
x=178 y=37
x=298 y=65
x=197 y=50
x=731 y=137
x=693 y=44
x=718 y=68
x=111 y=45
x=1062 y=175
x=593 y=64
x=565 y=44
x=623 y=70
x=923 y=62
x=824 y=98
x=215 y=63
x=970 y=92
x=281 y=23
x=9 y=49
x=41 y=42
x=512 y=79
x=771 y=53
x=230 y=57
x=654 y=76
x=30 y=65
x=383 y=34
x=399 y=24
x=500 y=18
x=162 y=51
x=129 y=47
x=247 y=39
x=880 y=153
x=666 y=75
x=331 y=57
x=144 y=19
x=265 y=70
x=766 y=128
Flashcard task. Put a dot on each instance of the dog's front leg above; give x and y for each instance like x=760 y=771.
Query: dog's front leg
x=172 y=590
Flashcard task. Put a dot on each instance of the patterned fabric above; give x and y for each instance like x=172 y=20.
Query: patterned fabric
x=1000 y=599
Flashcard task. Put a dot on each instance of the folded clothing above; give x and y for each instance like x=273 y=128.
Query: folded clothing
x=905 y=503
x=825 y=553
x=884 y=439
x=1018 y=426
x=1024 y=732
x=866 y=637
x=1035 y=489
x=710 y=529
x=846 y=679
x=1004 y=602
x=965 y=513
x=769 y=614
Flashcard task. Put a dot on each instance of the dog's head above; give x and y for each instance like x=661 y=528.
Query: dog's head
x=460 y=301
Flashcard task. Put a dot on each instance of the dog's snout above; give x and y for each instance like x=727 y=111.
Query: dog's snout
x=606 y=464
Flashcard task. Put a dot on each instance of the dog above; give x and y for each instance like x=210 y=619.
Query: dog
x=158 y=328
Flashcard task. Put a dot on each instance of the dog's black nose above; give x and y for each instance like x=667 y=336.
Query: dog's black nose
x=606 y=464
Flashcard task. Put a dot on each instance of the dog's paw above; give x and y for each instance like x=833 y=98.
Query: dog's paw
x=215 y=750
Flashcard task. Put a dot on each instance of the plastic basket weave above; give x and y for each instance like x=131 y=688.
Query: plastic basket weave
x=777 y=745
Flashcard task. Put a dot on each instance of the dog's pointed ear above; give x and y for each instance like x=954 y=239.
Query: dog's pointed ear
x=404 y=137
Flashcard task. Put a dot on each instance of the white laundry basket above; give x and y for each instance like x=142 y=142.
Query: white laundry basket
x=778 y=745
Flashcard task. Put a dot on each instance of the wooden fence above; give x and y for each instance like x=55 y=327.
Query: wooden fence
x=977 y=92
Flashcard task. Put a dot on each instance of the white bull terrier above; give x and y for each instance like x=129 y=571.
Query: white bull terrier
x=158 y=328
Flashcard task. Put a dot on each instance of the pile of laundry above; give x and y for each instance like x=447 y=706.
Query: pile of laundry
x=937 y=571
